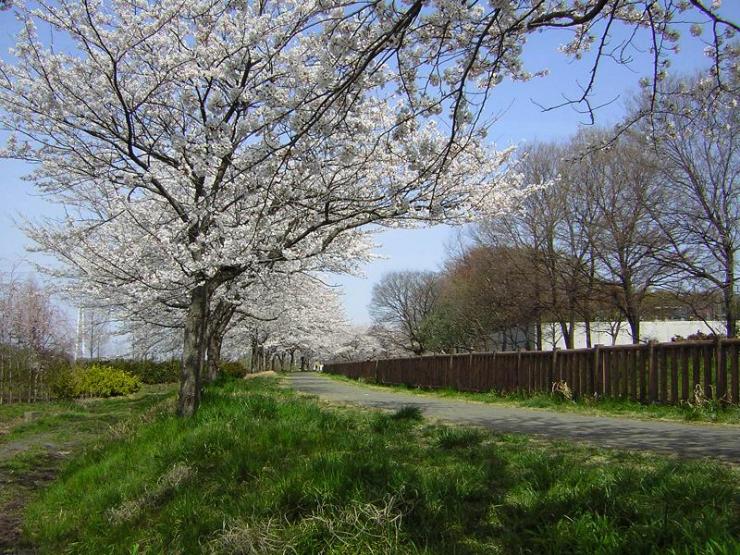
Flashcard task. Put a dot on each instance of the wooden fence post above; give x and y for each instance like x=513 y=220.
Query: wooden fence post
x=720 y=373
x=470 y=372
x=652 y=374
x=493 y=375
x=553 y=369
x=708 y=389
x=735 y=371
x=518 y=367
x=597 y=379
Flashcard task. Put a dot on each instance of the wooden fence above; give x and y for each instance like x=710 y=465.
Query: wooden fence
x=649 y=373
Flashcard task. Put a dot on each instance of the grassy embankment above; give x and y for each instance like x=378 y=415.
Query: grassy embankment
x=708 y=411
x=37 y=439
x=262 y=470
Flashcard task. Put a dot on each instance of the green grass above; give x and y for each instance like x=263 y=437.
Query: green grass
x=710 y=412
x=262 y=470
x=64 y=421
x=37 y=438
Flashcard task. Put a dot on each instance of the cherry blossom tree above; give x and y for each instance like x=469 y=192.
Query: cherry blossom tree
x=297 y=313
x=194 y=148
x=359 y=343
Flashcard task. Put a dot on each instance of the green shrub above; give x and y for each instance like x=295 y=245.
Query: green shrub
x=234 y=369
x=148 y=371
x=95 y=380
x=62 y=383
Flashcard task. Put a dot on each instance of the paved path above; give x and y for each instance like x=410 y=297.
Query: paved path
x=681 y=439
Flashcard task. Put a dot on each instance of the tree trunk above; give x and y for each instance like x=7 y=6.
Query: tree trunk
x=589 y=340
x=728 y=294
x=634 y=329
x=567 y=329
x=632 y=307
x=633 y=317
x=256 y=357
x=193 y=352
x=538 y=331
x=218 y=322
x=215 y=341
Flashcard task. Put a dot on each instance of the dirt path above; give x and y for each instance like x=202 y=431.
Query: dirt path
x=33 y=449
x=689 y=440
x=21 y=484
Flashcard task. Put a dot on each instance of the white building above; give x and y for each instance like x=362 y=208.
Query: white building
x=618 y=333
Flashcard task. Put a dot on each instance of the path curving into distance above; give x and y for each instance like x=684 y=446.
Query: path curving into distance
x=685 y=440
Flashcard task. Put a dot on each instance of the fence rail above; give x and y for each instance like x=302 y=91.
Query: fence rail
x=650 y=373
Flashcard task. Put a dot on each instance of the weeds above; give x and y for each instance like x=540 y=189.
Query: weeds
x=408 y=413
x=700 y=407
x=450 y=438
x=165 y=485
x=561 y=390
x=245 y=538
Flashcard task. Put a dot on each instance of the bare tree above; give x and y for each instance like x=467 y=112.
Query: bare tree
x=93 y=331
x=621 y=186
x=530 y=229
x=400 y=303
x=553 y=225
x=29 y=318
x=696 y=136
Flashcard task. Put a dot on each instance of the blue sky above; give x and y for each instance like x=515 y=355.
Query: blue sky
x=520 y=120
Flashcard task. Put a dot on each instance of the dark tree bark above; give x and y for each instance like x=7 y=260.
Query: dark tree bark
x=193 y=352
x=567 y=330
x=218 y=322
x=538 y=331
x=215 y=342
x=729 y=297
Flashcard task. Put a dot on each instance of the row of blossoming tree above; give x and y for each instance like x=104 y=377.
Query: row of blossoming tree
x=205 y=150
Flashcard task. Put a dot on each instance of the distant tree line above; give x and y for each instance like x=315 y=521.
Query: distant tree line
x=620 y=230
